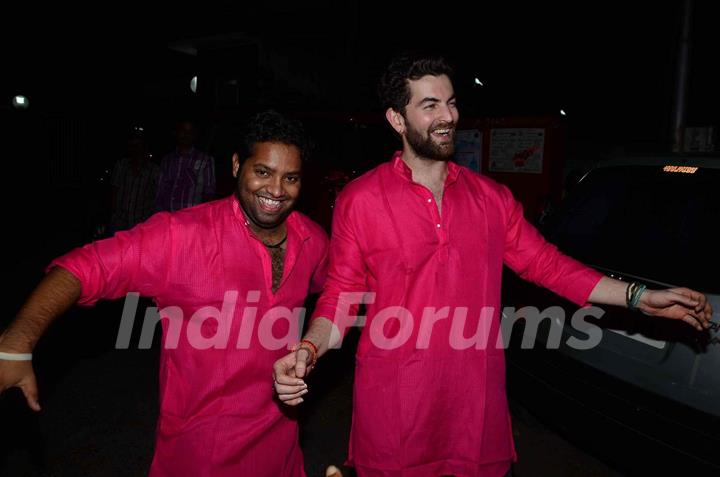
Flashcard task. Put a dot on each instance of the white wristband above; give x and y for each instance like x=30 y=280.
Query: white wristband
x=15 y=356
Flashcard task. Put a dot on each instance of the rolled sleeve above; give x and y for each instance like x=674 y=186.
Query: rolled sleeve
x=131 y=261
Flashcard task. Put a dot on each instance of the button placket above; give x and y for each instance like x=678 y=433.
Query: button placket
x=437 y=219
x=427 y=197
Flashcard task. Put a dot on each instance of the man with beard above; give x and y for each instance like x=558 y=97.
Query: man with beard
x=248 y=255
x=424 y=240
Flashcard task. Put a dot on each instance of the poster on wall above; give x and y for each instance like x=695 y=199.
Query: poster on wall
x=517 y=150
x=468 y=148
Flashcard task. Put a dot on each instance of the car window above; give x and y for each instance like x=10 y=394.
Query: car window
x=643 y=221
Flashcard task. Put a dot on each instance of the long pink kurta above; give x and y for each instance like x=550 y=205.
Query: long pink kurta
x=424 y=408
x=218 y=416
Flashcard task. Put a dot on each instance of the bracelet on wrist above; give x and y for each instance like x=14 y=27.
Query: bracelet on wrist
x=15 y=356
x=633 y=292
x=312 y=349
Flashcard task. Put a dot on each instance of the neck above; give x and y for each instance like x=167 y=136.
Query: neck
x=267 y=235
x=425 y=170
x=184 y=149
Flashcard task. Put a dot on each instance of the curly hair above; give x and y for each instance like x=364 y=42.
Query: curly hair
x=394 y=87
x=271 y=126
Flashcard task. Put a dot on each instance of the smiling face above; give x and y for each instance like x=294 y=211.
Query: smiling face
x=428 y=124
x=268 y=184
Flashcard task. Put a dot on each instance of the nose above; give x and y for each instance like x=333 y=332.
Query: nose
x=448 y=114
x=275 y=186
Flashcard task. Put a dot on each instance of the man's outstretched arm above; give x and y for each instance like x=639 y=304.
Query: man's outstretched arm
x=539 y=261
x=57 y=292
x=683 y=304
x=106 y=269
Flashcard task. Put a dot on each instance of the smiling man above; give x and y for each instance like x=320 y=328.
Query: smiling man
x=423 y=239
x=268 y=187
x=248 y=254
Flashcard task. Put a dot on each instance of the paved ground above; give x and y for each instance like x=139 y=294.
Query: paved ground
x=100 y=410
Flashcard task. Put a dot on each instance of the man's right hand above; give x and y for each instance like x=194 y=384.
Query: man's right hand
x=20 y=374
x=288 y=372
x=52 y=297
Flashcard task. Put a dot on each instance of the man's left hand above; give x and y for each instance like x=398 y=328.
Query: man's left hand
x=678 y=304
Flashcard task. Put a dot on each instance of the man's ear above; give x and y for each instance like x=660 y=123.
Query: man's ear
x=396 y=120
x=235 y=165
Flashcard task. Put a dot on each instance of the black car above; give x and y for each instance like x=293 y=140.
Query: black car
x=646 y=397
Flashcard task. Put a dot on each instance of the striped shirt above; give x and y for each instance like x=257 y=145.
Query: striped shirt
x=186 y=179
x=134 y=199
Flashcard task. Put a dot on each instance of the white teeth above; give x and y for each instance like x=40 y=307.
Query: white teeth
x=269 y=202
x=442 y=131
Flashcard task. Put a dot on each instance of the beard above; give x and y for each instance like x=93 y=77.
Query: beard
x=425 y=147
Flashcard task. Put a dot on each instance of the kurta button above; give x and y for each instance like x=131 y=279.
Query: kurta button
x=429 y=201
x=438 y=225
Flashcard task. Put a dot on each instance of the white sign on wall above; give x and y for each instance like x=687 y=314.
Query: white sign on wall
x=517 y=150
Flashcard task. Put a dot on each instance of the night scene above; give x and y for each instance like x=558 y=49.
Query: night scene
x=361 y=239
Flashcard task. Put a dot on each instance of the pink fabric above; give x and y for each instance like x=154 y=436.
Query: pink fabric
x=438 y=410
x=218 y=416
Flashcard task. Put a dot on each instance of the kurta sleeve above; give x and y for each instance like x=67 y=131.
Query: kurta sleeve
x=136 y=260
x=347 y=272
x=535 y=259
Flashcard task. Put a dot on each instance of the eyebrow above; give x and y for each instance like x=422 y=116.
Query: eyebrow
x=431 y=99
x=264 y=166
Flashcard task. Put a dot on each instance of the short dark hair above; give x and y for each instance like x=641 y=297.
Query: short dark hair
x=271 y=126
x=394 y=87
x=182 y=120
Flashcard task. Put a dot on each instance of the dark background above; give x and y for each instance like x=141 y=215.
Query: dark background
x=92 y=72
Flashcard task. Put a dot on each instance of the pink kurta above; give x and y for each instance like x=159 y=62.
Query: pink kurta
x=218 y=415
x=424 y=408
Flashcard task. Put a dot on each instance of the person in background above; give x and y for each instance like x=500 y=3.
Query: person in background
x=133 y=184
x=187 y=175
